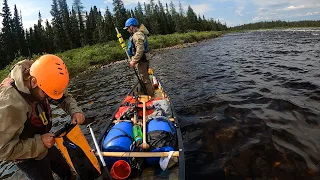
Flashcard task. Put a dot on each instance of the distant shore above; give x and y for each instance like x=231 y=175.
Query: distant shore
x=84 y=58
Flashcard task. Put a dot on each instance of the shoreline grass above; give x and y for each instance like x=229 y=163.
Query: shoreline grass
x=80 y=59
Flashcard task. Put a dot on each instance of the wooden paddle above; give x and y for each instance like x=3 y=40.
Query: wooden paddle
x=138 y=154
x=144 y=99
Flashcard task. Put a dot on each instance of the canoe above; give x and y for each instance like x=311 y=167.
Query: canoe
x=122 y=141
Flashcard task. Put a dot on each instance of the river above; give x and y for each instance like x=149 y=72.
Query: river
x=249 y=103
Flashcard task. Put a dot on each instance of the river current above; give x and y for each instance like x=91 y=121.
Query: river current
x=248 y=103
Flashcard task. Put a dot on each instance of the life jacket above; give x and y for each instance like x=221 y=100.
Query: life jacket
x=39 y=121
x=156 y=106
x=132 y=49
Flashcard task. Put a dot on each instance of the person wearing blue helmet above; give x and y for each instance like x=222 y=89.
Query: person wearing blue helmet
x=137 y=49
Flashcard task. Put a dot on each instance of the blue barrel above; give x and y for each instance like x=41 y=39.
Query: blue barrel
x=154 y=126
x=160 y=123
x=118 y=139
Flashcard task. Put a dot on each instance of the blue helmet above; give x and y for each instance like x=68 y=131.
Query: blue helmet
x=130 y=22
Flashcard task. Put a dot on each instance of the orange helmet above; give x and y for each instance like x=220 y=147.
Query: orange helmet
x=51 y=74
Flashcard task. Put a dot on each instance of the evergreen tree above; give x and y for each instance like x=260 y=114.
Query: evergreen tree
x=7 y=35
x=192 y=22
x=139 y=13
x=28 y=40
x=64 y=11
x=169 y=20
x=77 y=6
x=109 y=25
x=31 y=42
x=83 y=35
x=75 y=32
x=176 y=18
x=49 y=38
x=148 y=17
x=19 y=33
x=163 y=21
x=155 y=20
x=39 y=36
x=180 y=18
x=57 y=26
x=120 y=15
x=78 y=28
x=2 y=54
x=181 y=11
x=98 y=35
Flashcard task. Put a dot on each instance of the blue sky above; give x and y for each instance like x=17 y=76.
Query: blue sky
x=232 y=12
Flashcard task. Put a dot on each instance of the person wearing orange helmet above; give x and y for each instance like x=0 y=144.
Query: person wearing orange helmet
x=25 y=116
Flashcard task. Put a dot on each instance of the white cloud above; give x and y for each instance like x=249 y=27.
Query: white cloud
x=264 y=3
x=27 y=8
x=291 y=8
x=295 y=7
x=28 y=24
x=284 y=9
x=31 y=23
x=313 y=13
x=135 y=2
x=239 y=10
x=201 y=8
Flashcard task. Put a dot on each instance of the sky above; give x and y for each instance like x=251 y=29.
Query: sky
x=231 y=12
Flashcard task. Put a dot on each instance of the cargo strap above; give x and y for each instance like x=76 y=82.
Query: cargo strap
x=164 y=119
x=124 y=135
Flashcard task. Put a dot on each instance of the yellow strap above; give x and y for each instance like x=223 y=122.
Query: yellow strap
x=42 y=115
x=43 y=118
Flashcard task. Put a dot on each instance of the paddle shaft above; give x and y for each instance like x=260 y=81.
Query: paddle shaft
x=139 y=154
x=144 y=123
x=144 y=99
x=99 y=153
x=143 y=87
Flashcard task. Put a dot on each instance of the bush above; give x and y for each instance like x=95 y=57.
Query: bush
x=78 y=60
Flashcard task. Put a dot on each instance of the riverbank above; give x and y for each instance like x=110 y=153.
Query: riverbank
x=88 y=57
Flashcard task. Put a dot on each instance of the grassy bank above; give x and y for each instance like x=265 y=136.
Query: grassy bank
x=80 y=59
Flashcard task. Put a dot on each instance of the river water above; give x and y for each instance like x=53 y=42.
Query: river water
x=248 y=103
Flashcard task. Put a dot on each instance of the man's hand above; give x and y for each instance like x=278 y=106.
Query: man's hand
x=48 y=140
x=132 y=63
x=78 y=118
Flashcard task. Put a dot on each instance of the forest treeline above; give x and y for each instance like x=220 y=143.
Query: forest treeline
x=73 y=27
x=277 y=24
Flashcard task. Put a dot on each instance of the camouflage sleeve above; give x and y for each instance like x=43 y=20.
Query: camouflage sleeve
x=138 y=40
x=13 y=114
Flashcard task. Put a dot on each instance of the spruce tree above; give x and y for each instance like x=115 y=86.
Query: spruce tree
x=49 y=38
x=170 y=22
x=148 y=17
x=57 y=27
x=64 y=11
x=163 y=21
x=19 y=33
x=155 y=20
x=109 y=25
x=90 y=26
x=176 y=18
x=120 y=15
x=139 y=14
x=75 y=33
x=192 y=22
x=77 y=6
x=39 y=36
x=7 y=35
